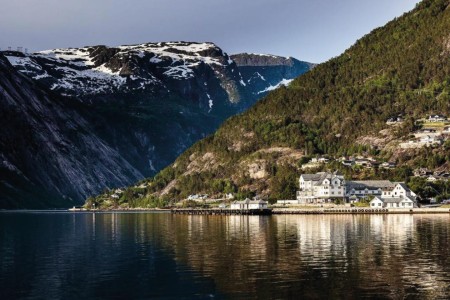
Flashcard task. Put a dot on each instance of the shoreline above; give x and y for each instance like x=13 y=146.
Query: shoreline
x=273 y=211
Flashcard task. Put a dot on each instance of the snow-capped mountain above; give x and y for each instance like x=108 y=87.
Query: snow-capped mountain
x=147 y=102
x=99 y=70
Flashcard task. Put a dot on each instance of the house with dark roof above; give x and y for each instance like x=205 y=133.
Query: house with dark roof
x=365 y=188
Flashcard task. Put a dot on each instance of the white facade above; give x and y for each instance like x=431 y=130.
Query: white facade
x=398 y=197
x=400 y=190
x=317 y=188
x=249 y=204
x=398 y=202
x=437 y=118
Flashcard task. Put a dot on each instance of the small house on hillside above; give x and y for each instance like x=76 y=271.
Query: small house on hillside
x=430 y=140
x=437 y=118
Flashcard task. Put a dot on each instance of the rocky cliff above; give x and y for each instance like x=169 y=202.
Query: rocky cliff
x=136 y=108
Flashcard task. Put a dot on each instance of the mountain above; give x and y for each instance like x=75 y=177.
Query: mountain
x=340 y=108
x=138 y=106
x=50 y=154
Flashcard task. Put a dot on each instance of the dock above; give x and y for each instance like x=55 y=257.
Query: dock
x=359 y=210
x=223 y=212
x=340 y=211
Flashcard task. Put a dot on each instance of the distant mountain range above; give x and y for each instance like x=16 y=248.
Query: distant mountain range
x=79 y=120
x=338 y=109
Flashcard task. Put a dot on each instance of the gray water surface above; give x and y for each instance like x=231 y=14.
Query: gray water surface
x=46 y=255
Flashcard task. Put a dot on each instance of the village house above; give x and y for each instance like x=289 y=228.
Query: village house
x=249 y=204
x=398 y=197
x=400 y=190
x=388 y=165
x=430 y=140
x=394 y=120
x=437 y=118
x=392 y=202
x=422 y=172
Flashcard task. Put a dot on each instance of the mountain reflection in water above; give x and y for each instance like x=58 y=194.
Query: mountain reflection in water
x=147 y=255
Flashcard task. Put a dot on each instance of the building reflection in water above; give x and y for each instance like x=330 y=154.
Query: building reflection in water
x=373 y=254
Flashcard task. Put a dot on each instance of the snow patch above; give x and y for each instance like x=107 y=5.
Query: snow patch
x=284 y=82
x=210 y=102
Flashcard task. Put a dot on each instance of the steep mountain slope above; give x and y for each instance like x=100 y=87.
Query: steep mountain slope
x=146 y=103
x=401 y=68
x=45 y=144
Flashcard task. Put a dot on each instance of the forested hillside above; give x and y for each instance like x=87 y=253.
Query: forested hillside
x=339 y=108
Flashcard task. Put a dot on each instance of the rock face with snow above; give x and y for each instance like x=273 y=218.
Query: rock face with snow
x=140 y=106
x=263 y=73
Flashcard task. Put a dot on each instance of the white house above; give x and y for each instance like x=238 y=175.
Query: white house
x=249 y=204
x=257 y=204
x=437 y=118
x=398 y=197
x=319 y=187
x=400 y=190
x=430 y=140
x=392 y=202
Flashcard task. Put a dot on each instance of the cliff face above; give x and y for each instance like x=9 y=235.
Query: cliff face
x=263 y=73
x=97 y=117
x=50 y=155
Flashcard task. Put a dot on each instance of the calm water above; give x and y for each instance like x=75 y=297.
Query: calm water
x=159 y=255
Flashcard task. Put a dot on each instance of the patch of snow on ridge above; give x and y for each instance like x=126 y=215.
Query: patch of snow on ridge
x=260 y=76
x=23 y=61
x=210 y=102
x=284 y=82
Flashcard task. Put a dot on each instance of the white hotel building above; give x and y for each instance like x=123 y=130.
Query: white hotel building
x=325 y=187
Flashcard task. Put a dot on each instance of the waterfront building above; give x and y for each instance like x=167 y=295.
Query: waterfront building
x=324 y=187
x=320 y=187
x=392 y=202
x=249 y=204
x=365 y=188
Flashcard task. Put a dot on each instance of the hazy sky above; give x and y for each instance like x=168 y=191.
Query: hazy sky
x=311 y=30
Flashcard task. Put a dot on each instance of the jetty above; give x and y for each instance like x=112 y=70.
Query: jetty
x=354 y=210
x=225 y=211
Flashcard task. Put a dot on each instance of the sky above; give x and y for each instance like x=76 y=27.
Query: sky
x=310 y=30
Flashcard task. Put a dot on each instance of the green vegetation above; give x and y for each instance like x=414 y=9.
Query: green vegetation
x=401 y=68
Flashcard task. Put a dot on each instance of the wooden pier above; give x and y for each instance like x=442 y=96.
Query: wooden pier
x=223 y=212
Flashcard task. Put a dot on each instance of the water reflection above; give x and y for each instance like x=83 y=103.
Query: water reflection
x=74 y=256
x=381 y=256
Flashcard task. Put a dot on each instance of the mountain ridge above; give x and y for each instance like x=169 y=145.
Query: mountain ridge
x=145 y=106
